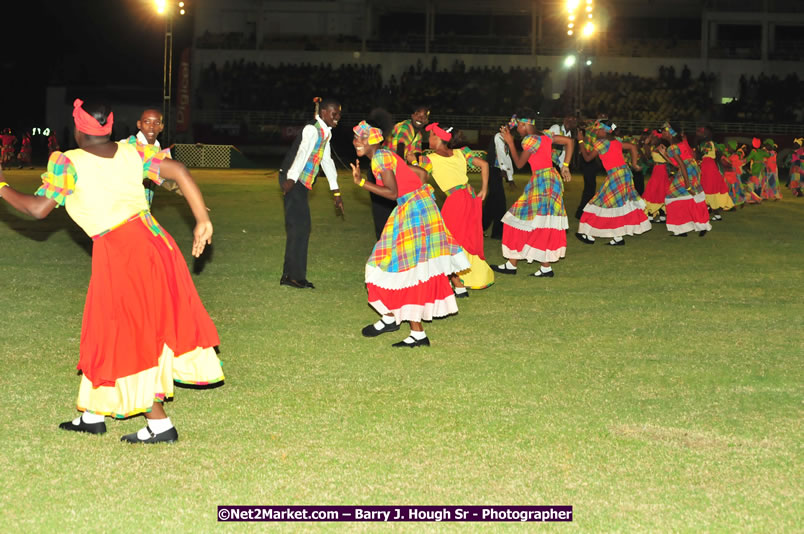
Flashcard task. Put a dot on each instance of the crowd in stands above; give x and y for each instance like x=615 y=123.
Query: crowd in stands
x=768 y=99
x=628 y=96
x=461 y=90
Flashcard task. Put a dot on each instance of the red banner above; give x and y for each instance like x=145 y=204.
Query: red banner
x=183 y=112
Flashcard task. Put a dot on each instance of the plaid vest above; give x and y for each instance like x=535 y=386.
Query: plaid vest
x=310 y=170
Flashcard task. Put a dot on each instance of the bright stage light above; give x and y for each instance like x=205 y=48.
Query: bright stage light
x=181 y=12
x=569 y=61
x=569 y=32
x=572 y=5
x=570 y=25
x=572 y=17
x=160 y=6
x=588 y=62
x=588 y=30
x=181 y=4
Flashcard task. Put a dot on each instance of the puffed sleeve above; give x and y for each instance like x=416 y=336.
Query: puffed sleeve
x=58 y=182
x=531 y=143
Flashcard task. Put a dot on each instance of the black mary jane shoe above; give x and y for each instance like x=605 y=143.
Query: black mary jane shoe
x=464 y=295
x=424 y=342
x=680 y=235
x=502 y=270
x=168 y=436
x=619 y=243
x=702 y=233
x=583 y=239
x=89 y=428
x=542 y=274
x=370 y=331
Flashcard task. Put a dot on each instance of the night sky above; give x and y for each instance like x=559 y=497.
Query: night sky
x=79 y=43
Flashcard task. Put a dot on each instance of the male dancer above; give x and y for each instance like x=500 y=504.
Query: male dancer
x=406 y=140
x=150 y=126
x=499 y=160
x=309 y=153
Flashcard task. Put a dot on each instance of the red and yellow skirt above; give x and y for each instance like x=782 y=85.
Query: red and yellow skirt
x=144 y=325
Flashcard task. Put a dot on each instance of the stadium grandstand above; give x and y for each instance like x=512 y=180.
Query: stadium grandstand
x=256 y=64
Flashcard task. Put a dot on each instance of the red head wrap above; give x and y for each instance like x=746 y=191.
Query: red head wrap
x=756 y=143
x=444 y=135
x=86 y=123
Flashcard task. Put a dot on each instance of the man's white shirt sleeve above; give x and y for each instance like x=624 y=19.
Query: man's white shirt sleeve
x=503 y=157
x=306 y=146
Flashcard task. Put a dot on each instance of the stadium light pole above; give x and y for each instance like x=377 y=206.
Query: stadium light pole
x=579 y=23
x=168 y=9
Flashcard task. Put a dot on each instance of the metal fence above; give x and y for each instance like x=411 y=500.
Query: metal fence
x=483 y=123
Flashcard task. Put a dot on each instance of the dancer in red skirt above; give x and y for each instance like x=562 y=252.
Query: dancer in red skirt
x=686 y=201
x=534 y=229
x=463 y=210
x=616 y=210
x=796 y=171
x=712 y=181
x=406 y=274
x=659 y=182
x=144 y=326
x=25 y=155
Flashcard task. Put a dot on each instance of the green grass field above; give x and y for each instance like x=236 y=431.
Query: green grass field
x=653 y=387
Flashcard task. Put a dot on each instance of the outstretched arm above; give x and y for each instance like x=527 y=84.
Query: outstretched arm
x=387 y=190
x=33 y=205
x=202 y=234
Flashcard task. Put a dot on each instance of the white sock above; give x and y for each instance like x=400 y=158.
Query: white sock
x=546 y=269
x=509 y=265
x=617 y=239
x=460 y=290
x=388 y=319
x=92 y=418
x=157 y=426
x=417 y=335
x=590 y=238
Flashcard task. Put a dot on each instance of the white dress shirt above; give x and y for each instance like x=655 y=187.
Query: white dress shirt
x=558 y=129
x=309 y=136
x=504 y=157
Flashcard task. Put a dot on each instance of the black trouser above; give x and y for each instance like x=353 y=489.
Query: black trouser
x=381 y=209
x=297 y=228
x=495 y=206
x=639 y=182
x=589 y=169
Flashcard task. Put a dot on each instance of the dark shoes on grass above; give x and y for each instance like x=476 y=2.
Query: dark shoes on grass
x=502 y=269
x=89 y=428
x=424 y=342
x=168 y=436
x=370 y=331
x=298 y=284
x=583 y=239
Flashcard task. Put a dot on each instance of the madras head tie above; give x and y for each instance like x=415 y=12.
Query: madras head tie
x=86 y=123
x=317 y=102
x=512 y=122
x=364 y=129
x=527 y=121
x=444 y=135
x=799 y=141
x=666 y=127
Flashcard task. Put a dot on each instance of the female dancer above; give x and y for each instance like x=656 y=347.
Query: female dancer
x=732 y=164
x=686 y=201
x=770 y=186
x=756 y=182
x=144 y=325
x=712 y=182
x=463 y=210
x=406 y=274
x=796 y=172
x=659 y=182
x=616 y=210
x=534 y=229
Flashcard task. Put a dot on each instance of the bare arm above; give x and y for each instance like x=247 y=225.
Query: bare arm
x=387 y=190
x=33 y=205
x=518 y=158
x=569 y=145
x=634 y=155
x=202 y=234
x=484 y=175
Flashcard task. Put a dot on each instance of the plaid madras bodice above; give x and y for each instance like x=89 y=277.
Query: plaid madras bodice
x=611 y=153
x=310 y=170
x=540 y=148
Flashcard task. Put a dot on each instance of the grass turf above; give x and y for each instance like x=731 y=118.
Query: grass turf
x=654 y=387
